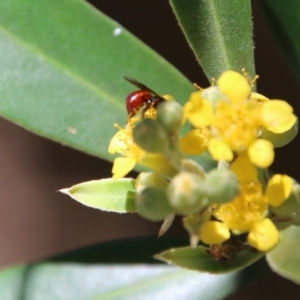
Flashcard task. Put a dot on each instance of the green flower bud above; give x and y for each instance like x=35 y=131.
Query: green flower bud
x=192 y=166
x=221 y=186
x=292 y=204
x=170 y=114
x=150 y=179
x=187 y=194
x=152 y=204
x=151 y=136
x=280 y=140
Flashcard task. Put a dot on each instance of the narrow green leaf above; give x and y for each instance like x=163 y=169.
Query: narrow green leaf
x=61 y=71
x=284 y=259
x=199 y=260
x=70 y=280
x=114 y=195
x=219 y=32
x=284 y=23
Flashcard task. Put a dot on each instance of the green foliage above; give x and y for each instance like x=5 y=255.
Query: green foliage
x=61 y=71
x=284 y=259
x=114 y=195
x=219 y=32
x=72 y=277
x=284 y=23
x=197 y=258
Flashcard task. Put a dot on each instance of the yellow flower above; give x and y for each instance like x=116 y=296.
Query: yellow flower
x=278 y=116
x=122 y=143
x=219 y=150
x=243 y=168
x=263 y=235
x=233 y=121
x=247 y=212
x=279 y=188
x=249 y=207
x=261 y=153
x=234 y=86
x=258 y=97
x=214 y=232
x=194 y=142
x=198 y=111
x=233 y=118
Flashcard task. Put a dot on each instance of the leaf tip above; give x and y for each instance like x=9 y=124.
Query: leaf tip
x=64 y=191
x=161 y=257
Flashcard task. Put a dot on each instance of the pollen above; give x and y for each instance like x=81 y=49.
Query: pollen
x=122 y=143
x=237 y=125
x=249 y=207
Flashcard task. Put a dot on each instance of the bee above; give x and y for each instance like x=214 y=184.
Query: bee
x=143 y=98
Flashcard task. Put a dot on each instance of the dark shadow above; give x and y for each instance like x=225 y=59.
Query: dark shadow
x=132 y=250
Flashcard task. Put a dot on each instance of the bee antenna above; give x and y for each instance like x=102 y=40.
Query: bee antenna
x=128 y=78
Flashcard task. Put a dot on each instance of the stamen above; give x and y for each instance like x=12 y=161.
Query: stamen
x=254 y=79
x=118 y=127
x=245 y=74
x=197 y=87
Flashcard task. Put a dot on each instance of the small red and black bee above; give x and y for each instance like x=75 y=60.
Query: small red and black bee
x=144 y=97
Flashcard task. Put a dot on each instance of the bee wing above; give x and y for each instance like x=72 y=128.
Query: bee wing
x=141 y=86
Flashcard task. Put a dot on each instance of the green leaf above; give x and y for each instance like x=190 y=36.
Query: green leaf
x=114 y=195
x=61 y=71
x=219 y=32
x=197 y=258
x=284 y=23
x=284 y=259
x=70 y=280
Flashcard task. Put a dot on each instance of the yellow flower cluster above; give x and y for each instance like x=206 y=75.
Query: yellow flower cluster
x=122 y=142
x=234 y=126
x=229 y=120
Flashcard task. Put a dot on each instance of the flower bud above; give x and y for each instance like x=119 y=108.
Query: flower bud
x=170 y=114
x=192 y=166
x=221 y=186
x=151 y=136
x=186 y=193
x=282 y=139
x=152 y=203
x=150 y=179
